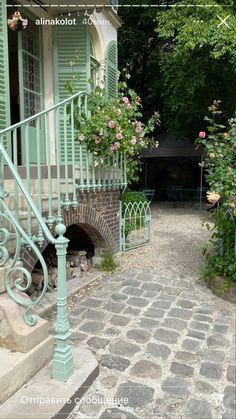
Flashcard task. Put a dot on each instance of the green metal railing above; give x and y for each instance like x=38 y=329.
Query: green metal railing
x=135 y=224
x=55 y=165
x=54 y=168
x=63 y=360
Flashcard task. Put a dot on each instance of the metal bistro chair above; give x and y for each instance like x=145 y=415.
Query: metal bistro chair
x=149 y=193
x=177 y=194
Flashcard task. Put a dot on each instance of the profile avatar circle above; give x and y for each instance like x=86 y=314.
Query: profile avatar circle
x=16 y=22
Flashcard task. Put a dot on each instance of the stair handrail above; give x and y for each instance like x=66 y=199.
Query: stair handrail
x=44 y=112
x=59 y=242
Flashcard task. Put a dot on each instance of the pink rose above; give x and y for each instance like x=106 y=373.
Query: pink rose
x=133 y=141
x=129 y=106
x=119 y=136
x=81 y=137
x=116 y=145
x=125 y=99
x=138 y=129
x=111 y=124
x=213 y=197
x=97 y=141
x=202 y=134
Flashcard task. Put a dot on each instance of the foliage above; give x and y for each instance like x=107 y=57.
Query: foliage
x=139 y=50
x=220 y=167
x=220 y=266
x=108 y=263
x=198 y=61
x=134 y=221
x=132 y=197
x=114 y=124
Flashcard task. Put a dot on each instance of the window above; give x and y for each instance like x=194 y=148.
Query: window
x=94 y=67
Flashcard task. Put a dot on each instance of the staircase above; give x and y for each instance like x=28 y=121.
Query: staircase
x=33 y=197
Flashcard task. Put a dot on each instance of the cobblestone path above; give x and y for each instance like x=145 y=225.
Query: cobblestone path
x=166 y=348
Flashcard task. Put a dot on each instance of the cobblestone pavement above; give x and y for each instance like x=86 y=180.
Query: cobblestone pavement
x=166 y=348
x=162 y=339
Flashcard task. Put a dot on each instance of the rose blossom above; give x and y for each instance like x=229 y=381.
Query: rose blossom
x=119 y=136
x=81 y=137
x=111 y=124
x=116 y=145
x=212 y=155
x=97 y=141
x=213 y=197
x=202 y=134
x=129 y=106
x=138 y=129
x=133 y=141
x=232 y=205
x=142 y=143
x=125 y=99
x=117 y=112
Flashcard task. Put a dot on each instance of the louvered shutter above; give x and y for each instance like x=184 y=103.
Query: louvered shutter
x=4 y=75
x=111 y=70
x=69 y=41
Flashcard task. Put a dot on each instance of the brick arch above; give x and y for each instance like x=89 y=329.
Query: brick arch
x=93 y=223
x=101 y=227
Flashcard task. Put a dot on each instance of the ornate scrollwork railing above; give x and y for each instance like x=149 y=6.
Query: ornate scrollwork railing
x=63 y=360
x=23 y=282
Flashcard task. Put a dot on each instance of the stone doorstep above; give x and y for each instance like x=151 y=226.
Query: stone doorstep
x=17 y=367
x=45 y=398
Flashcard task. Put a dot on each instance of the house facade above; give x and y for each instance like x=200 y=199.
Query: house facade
x=58 y=44
x=48 y=180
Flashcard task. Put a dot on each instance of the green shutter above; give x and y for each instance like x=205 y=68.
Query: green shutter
x=4 y=74
x=111 y=70
x=69 y=41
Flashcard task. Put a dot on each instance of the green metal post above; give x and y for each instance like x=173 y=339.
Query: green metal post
x=62 y=368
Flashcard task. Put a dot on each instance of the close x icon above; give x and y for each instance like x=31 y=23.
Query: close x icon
x=223 y=21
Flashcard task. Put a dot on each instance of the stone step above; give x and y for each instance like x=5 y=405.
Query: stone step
x=37 y=397
x=34 y=186
x=22 y=203
x=17 y=368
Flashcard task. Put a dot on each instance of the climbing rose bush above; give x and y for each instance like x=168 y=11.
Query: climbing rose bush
x=220 y=169
x=115 y=125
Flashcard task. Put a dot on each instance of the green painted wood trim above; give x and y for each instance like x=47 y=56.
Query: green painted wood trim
x=34 y=149
x=111 y=70
x=4 y=76
x=66 y=44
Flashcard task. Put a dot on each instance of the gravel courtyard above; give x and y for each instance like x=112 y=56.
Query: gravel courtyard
x=164 y=342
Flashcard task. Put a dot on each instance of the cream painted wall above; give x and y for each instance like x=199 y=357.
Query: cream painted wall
x=102 y=32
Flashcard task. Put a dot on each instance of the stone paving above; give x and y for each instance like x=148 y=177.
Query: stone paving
x=166 y=348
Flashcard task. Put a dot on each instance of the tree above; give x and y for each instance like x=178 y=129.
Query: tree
x=198 y=62
x=139 y=51
x=178 y=64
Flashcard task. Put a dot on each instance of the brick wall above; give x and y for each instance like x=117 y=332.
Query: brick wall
x=98 y=215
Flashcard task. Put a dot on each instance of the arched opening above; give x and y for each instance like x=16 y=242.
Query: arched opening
x=84 y=250
x=79 y=239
